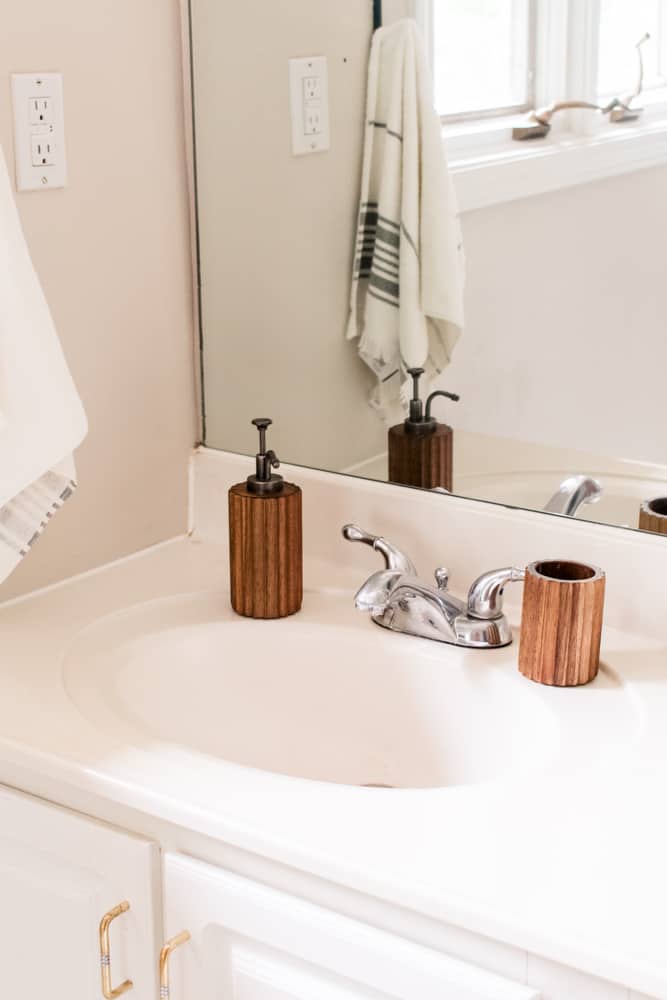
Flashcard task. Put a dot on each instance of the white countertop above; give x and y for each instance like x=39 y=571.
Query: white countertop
x=569 y=866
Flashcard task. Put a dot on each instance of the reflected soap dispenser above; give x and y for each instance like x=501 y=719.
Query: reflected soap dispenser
x=265 y=540
x=421 y=450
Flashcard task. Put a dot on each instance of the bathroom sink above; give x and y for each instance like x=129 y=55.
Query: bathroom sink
x=619 y=504
x=326 y=695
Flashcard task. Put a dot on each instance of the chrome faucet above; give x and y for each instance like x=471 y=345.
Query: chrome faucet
x=398 y=600
x=572 y=493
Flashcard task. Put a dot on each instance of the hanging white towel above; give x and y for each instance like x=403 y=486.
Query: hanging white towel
x=41 y=416
x=409 y=271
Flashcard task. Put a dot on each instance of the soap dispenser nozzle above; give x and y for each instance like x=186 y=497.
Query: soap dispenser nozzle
x=263 y=482
x=416 y=410
x=418 y=421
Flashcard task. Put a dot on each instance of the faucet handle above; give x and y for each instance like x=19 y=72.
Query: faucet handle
x=442 y=577
x=485 y=597
x=394 y=559
x=353 y=533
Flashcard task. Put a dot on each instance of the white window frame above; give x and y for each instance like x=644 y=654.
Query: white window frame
x=490 y=167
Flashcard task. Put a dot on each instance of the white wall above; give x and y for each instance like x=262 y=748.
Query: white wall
x=566 y=320
x=112 y=251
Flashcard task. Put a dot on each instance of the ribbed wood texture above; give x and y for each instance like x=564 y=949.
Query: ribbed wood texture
x=421 y=461
x=561 y=623
x=653 y=516
x=265 y=552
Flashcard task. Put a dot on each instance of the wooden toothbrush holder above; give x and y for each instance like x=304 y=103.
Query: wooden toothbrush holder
x=561 y=625
x=653 y=515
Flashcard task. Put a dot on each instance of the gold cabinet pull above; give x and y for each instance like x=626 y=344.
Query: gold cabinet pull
x=167 y=949
x=105 y=953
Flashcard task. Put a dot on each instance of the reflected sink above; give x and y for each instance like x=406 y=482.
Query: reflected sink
x=325 y=695
x=619 y=504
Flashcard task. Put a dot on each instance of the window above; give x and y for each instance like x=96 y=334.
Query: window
x=622 y=25
x=482 y=56
x=494 y=61
x=494 y=57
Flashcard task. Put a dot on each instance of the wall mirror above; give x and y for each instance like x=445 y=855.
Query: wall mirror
x=561 y=363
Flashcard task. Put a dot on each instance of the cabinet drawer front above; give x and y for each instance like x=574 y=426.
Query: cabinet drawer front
x=59 y=874
x=254 y=943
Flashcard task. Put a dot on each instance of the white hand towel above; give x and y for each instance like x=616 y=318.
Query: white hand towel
x=41 y=416
x=409 y=269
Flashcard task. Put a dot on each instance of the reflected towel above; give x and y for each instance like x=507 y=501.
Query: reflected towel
x=41 y=416
x=409 y=270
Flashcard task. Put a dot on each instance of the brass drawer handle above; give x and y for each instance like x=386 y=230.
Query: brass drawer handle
x=167 y=949
x=105 y=953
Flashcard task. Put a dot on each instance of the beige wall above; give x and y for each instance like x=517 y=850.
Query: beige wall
x=112 y=250
x=277 y=231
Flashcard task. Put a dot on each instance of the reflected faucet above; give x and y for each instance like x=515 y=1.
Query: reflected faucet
x=572 y=493
x=396 y=599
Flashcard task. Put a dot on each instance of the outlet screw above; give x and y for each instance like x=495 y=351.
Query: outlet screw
x=45 y=180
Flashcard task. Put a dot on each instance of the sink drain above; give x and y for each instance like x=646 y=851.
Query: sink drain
x=376 y=784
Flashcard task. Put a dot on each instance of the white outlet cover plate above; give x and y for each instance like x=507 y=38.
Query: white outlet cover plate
x=300 y=70
x=27 y=87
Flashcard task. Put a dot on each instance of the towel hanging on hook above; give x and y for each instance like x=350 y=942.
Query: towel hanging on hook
x=377 y=14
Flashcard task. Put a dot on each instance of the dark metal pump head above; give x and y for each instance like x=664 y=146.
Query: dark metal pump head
x=419 y=421
x=264 y=483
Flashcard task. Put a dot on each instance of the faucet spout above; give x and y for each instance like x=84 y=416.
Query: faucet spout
x=572 y=493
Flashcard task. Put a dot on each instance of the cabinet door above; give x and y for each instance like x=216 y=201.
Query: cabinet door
x=59 y=874
x=249 y=942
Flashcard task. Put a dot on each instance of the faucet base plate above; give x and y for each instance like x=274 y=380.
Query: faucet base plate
x=469 y=633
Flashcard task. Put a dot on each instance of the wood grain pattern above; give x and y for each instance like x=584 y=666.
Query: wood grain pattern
x=653 y=515
x=421 y=460
x=561 y=624
x=265 y=552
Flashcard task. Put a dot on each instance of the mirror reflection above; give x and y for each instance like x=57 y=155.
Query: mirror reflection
x=432 y=253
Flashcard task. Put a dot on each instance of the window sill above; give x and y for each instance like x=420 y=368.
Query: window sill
x=489 y=167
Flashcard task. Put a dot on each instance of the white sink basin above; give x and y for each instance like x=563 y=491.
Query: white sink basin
x=328 y=696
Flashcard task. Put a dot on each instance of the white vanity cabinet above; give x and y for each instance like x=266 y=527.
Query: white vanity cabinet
x=232 y=938
x=250 y=942
x=60 y=873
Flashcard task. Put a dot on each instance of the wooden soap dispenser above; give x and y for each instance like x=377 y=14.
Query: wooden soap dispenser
x=421 y=449
x=265 y=540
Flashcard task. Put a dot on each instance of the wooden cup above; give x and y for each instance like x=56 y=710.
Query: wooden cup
x=653 y=515
x=561 y=624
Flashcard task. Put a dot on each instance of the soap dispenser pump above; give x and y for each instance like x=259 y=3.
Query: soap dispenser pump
x=265 y=539
x=421 y=449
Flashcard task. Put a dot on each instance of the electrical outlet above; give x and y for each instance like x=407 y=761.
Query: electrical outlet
x=40 y=110
x=39 y=131
x=43 y=149
x=312 y=89
x=312 y=119
x=309 y=98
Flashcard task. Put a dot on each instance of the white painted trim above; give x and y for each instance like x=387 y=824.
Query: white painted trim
x=188 y=122
x=502 y=170
x=551 y=38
